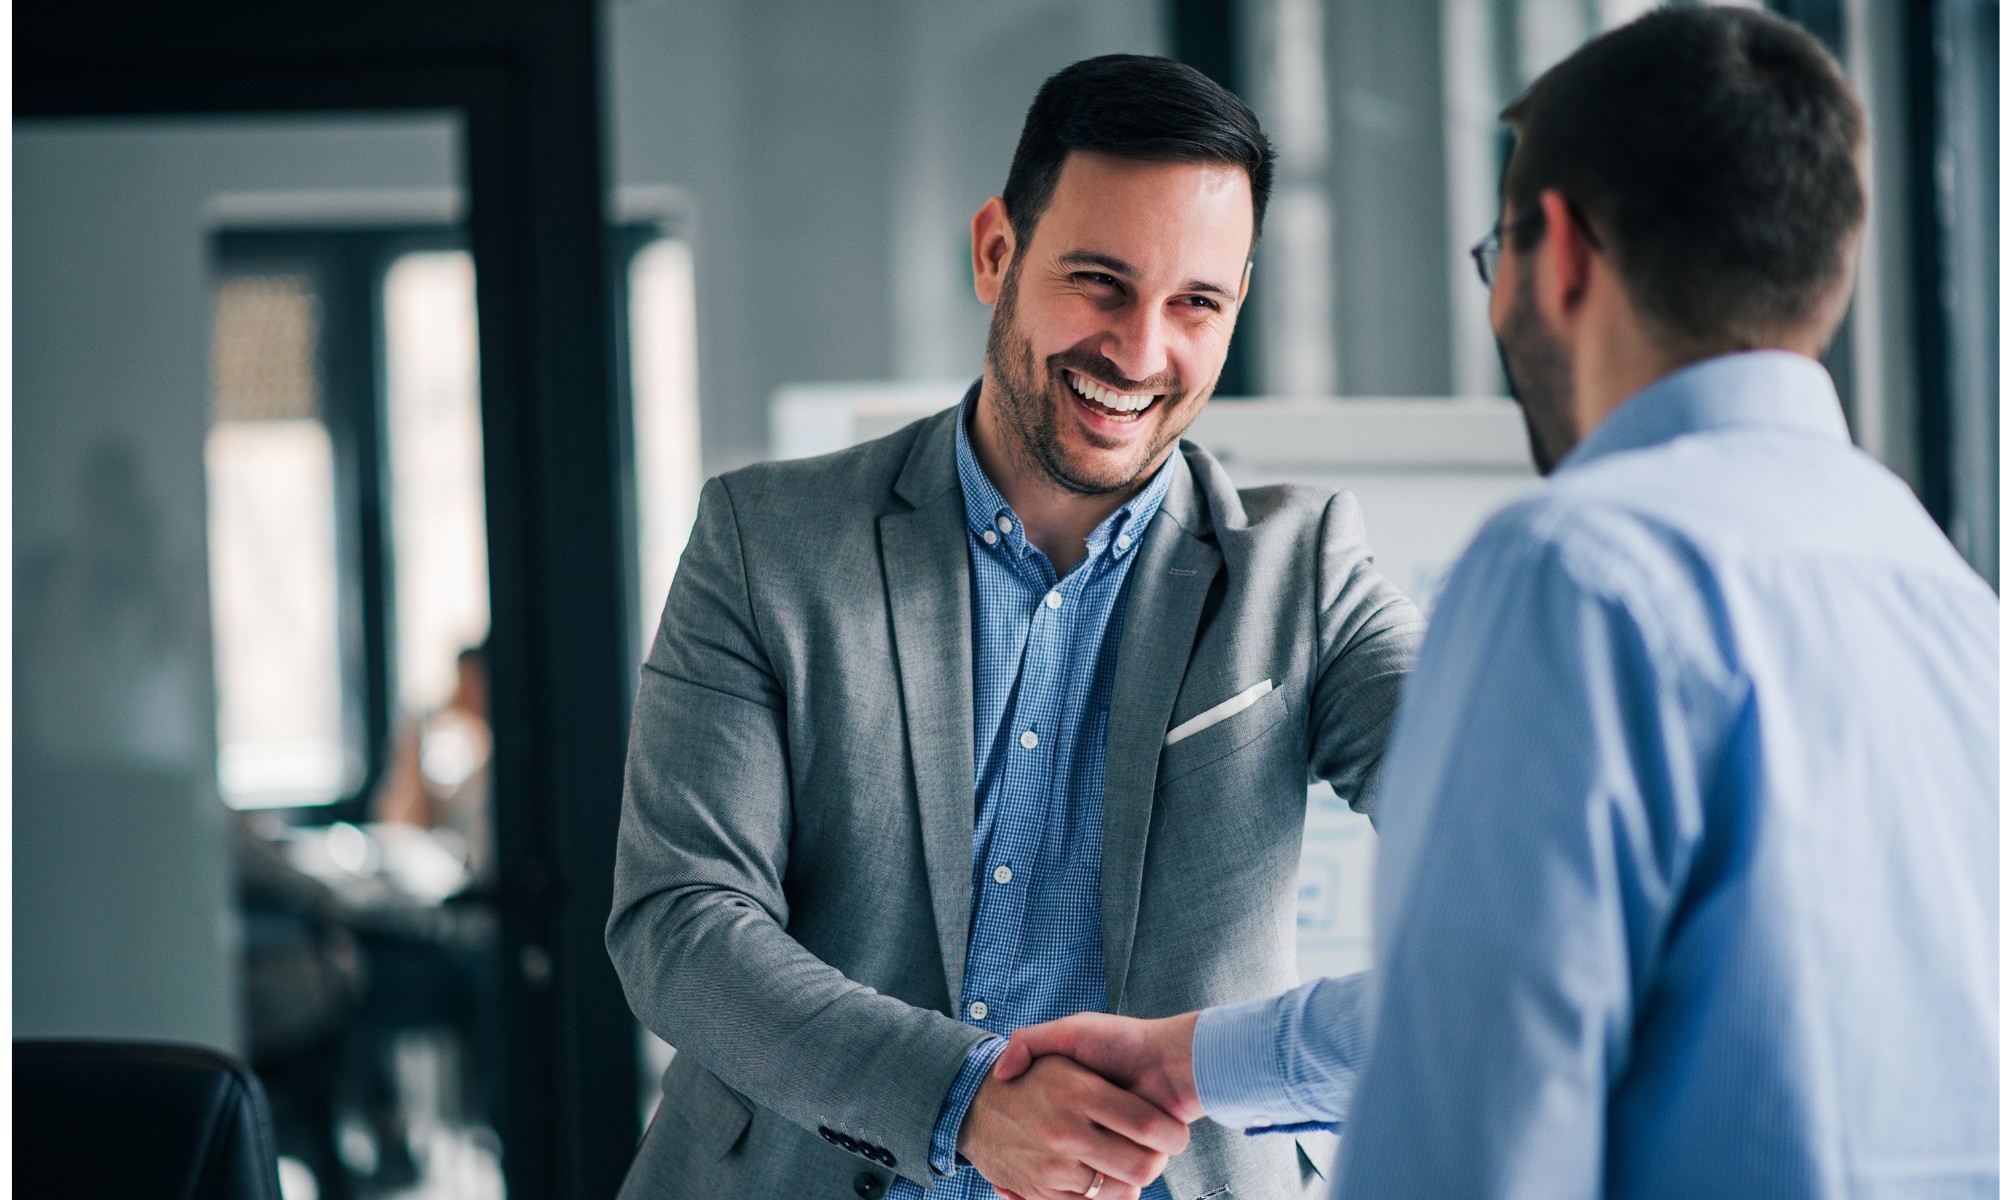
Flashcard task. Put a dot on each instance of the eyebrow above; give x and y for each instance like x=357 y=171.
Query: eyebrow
x=1118 y=266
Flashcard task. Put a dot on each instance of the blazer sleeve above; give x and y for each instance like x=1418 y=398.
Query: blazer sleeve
x=1369 y=633
x=699 y=912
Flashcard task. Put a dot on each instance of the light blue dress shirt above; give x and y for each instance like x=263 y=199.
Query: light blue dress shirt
x=1689 y=882
x=1044 y=654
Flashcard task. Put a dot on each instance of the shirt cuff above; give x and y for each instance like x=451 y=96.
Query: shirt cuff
x=1238 y=1075
x=958 y=1101
x=1288 y=1063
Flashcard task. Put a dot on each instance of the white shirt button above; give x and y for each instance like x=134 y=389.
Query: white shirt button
x=989 y=537
x=1006 y=526
x=1055 y=600
x=1028 y=739
x=1124 y=543
x=1258 y=1122
x=1003 y=874
x=978 y=1010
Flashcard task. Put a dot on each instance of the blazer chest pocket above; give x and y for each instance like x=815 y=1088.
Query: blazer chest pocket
x=1222 y=729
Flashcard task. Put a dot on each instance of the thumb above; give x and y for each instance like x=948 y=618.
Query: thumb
x=1027 y=1045
x=1014 y=1061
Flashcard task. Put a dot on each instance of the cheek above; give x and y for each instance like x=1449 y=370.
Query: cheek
x=1060 y=320
x=1203 y=351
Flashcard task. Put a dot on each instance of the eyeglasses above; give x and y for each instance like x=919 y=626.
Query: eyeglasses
x=1487 y=255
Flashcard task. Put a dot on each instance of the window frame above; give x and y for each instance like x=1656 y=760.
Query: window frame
x=348 y=266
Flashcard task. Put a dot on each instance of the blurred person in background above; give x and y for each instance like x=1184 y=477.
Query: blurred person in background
x=1689 y=883
x=440 y=777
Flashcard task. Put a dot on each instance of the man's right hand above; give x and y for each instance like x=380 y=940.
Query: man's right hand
x=1153 y=1058
x=1047 y=1134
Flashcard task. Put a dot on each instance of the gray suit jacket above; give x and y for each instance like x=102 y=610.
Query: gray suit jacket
x=794 y=881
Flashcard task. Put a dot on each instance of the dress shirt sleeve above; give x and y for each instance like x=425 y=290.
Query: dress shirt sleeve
x=1286 y=1064
x=1542 y=795
x=971 y=1074
x=1368 y=638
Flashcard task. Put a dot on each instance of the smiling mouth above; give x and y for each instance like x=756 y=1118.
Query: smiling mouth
x=1108 y=404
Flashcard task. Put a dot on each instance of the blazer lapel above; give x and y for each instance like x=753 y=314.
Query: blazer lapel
x=924 y=562
x=1163 y=606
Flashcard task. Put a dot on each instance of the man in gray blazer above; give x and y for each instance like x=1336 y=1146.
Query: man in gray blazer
x=1005 y=716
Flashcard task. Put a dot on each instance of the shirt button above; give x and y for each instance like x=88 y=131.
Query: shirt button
x=978 y=1010
x=1006 y=526
x=1124 y=543
x=1003 y=874
x=1028 y=739
x=989 y=537
x=1055 y=600
x=1259 y=1121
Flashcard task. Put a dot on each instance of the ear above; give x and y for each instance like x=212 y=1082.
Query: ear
x=1566 y=265
x=992 y=249
x=1243 y=284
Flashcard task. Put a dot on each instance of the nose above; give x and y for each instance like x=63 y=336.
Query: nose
x=1138 y=343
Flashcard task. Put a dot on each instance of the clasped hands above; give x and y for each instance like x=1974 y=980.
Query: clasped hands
x=1091 y=1105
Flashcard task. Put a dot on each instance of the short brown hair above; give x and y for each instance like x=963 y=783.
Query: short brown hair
x=1718 y=149
x=1132 y=106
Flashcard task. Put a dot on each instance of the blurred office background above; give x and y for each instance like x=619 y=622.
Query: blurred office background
x=275 y=624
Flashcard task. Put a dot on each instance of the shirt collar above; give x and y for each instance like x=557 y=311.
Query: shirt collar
x=1769 y=388
x=992 y=521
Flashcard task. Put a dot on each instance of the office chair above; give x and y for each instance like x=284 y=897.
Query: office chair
x=134 y=1121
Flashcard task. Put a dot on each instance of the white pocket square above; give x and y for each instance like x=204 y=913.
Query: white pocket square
x=1220 y=713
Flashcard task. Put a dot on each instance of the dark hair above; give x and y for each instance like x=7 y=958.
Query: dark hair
x=1138 y=107
x=1717 y=151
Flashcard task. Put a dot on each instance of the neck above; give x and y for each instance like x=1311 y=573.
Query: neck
x=1054 y=519
x=1617 y=357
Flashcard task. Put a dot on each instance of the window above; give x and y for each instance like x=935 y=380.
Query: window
x=284 y=734
x=666 y=426
x=437 y=488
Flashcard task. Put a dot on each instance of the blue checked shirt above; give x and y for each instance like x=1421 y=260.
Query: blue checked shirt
x=1044 y=653
x=1688 y=883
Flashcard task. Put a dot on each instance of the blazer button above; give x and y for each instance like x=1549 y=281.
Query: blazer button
x=886 y=1159
x=829 y=1136
x=868 y=1186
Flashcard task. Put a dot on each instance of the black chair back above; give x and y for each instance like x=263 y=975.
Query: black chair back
x=133 y=1121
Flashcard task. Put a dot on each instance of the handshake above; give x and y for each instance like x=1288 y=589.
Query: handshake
x=1091 y=1105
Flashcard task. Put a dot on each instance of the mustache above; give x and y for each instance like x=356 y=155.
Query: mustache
x=1101 y=369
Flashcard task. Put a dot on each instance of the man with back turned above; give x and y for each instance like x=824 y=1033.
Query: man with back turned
x=1689 y=883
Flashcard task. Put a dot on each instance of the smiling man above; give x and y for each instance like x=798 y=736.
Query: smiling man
x=1004 y=717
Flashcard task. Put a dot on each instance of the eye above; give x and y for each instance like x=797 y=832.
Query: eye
x=1207 y=302
x=1096 y=279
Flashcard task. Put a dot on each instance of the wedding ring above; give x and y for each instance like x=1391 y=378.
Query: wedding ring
x=1096 y=1186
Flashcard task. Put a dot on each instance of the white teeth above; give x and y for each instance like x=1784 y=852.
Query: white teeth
x=1115 y=401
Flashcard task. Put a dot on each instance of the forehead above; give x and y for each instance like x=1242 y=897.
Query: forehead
x=1175 y=219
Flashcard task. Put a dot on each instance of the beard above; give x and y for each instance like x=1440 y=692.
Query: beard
x=1028 y=399
x=1539 y=376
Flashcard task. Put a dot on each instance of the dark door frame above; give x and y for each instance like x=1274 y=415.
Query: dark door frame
x=523 y=74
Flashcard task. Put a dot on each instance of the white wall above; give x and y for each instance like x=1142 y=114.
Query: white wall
x=122 y=889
